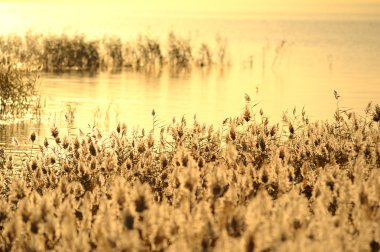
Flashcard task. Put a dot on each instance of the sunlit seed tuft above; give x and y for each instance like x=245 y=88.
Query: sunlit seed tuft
x=291 y=128
x=141 y=204
x=33 y=137
x=92 y=149
x=376 y=114
x=54 y=131
x=46 y=143
x=118 y=128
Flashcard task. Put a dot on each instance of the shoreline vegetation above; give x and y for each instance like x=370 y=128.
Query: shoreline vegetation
x=23 y=58
x=62 y=53
x=19 y=92
x=249 y=186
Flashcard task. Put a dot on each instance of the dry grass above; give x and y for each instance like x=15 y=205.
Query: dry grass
x=250 y=186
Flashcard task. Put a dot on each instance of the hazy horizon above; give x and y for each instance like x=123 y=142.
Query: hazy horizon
x=212 y=6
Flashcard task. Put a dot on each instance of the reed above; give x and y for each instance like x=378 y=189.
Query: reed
x=18 y=91
x=143 y=54
x=249 y=186
x=60 y=53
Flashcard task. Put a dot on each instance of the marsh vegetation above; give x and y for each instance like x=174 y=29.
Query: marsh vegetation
x=60 y=53
x=18 y=91
x=23 y=58
x=248 y=186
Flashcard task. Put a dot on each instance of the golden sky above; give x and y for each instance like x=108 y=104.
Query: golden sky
x=221 y=5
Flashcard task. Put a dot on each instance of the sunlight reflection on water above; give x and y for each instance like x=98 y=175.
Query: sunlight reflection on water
x=318 y=56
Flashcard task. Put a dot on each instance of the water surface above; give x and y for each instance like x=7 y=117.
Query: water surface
x=321 y=53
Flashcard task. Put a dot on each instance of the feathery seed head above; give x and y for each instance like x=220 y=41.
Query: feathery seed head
x=33 y=136
x=92 y=149
x=54 y=131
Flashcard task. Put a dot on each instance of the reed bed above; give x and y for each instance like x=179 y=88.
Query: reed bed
x=248 y=186
x=59 y=53
x=18 y=91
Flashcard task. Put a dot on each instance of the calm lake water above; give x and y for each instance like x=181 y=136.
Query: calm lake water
x=321 y=53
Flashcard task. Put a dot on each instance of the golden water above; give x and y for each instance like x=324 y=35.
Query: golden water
x=322 y=53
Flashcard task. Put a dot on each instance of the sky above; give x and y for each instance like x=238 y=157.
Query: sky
x=221 y=5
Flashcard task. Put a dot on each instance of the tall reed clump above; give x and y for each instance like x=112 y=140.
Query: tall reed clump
x=179 y=51
x=26 y=49
x=62 y=53
x=143 y=54
x=249 y=186
x=112 y=53
x=18 y=91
